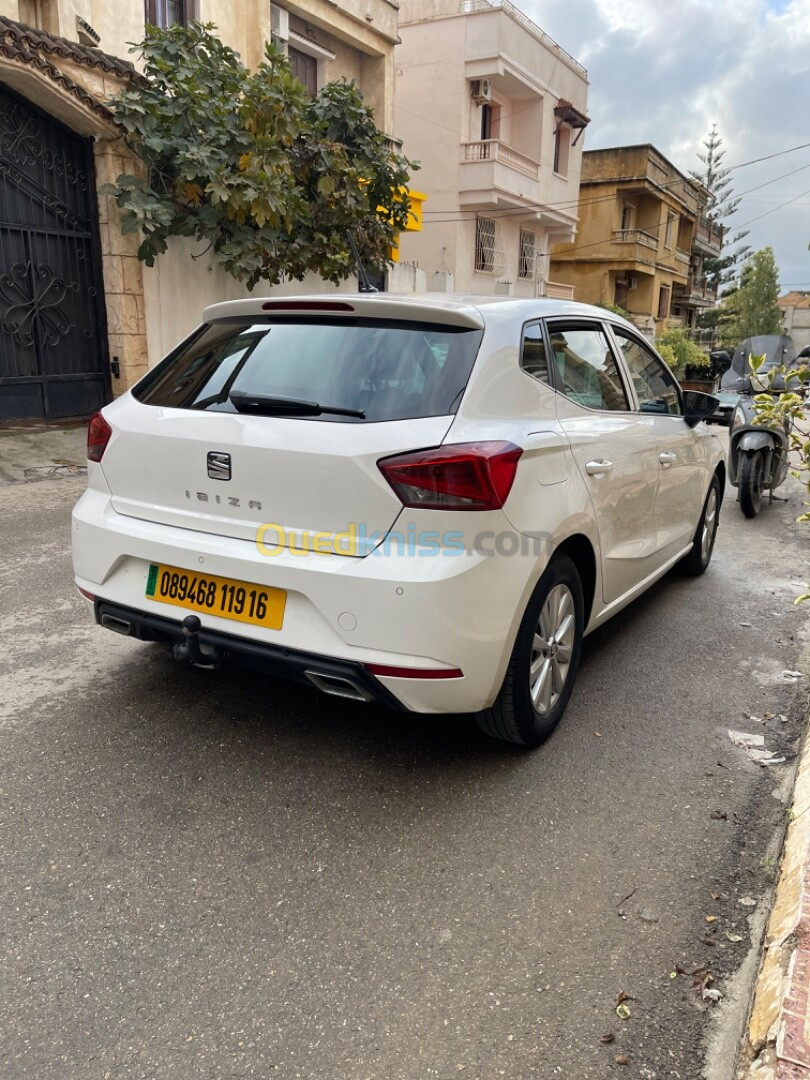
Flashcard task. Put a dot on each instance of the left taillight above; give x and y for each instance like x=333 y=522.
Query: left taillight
x=464 y=476
x=98 y=435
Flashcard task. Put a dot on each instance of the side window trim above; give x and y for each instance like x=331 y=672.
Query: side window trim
x=579 y=323
x=644 y=345
x=549 y=367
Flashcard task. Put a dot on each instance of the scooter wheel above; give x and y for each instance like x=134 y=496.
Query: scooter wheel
x=751 y=484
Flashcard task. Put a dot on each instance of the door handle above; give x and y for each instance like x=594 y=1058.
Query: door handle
x=667 y=458
x=594 y=468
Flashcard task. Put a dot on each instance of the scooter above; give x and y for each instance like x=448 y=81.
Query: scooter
x=758 y=456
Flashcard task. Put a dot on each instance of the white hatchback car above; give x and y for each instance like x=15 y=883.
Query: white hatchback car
x=417 y=501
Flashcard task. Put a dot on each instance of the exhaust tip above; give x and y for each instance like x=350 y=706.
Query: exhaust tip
x=338 y=686
x=118 y=626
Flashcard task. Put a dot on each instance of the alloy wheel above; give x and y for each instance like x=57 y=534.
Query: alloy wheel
x=709 y=524
x=552 y=649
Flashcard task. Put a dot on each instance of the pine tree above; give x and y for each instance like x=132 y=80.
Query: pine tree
x=722 y=205
x=752 y=308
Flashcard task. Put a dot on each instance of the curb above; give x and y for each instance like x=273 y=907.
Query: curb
x=776 y=1045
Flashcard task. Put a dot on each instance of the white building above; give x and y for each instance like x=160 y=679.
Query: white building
x=795 y=307
x=494 y=111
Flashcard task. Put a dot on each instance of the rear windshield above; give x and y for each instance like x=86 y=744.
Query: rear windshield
x=386 y=370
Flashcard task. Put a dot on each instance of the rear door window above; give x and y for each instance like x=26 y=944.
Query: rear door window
x=584 y=366
x=387 y=370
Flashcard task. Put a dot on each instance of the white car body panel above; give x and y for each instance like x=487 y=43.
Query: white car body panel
x=623 y=496
x=684 y=455
x=302 y=476
x=429 y=607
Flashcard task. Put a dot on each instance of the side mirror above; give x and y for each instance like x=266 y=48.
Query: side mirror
x=697 y=406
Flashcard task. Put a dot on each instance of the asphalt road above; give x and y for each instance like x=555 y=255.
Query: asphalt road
x=206 y=874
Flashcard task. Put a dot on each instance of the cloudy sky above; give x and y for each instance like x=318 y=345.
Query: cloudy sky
x=663 y=71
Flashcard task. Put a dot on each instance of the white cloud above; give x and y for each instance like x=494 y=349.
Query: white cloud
x=665 y=72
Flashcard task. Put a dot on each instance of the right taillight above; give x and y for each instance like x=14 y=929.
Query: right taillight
x=464 y=476
x=98 y=435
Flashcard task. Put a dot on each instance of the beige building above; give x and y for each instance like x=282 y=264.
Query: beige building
x=494 y=111
x=795 y=308
x=326 y=40
x=80 y=317
x=642 y=238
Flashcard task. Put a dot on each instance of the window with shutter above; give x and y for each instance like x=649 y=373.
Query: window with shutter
x=304 y=68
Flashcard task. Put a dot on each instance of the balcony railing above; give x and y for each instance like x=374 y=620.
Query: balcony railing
x=557 y=291
x=695 y=291
x=709 y=233
x=682 y=257
x=636 y=236
x=469 y=6
x=495 y=150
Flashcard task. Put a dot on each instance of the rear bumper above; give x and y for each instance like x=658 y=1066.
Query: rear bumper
x=399 y=610
x=272 y=660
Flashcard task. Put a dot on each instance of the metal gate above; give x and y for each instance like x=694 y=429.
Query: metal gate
x=53 y=352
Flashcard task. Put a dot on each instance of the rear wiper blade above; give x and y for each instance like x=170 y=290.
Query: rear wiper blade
x=214 y=399
x=282 y=406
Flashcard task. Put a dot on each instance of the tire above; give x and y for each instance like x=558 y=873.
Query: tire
x=751 y=484
x=694 y=564
x=538 y=680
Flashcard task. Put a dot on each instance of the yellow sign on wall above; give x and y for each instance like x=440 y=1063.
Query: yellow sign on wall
x=415 y=201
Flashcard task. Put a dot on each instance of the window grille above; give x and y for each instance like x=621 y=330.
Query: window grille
x=488 y=254
x=527 y=255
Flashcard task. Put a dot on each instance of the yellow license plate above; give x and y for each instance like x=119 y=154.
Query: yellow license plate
x=229 y=599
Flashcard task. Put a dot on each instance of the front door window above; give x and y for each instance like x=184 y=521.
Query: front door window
x=656 y=388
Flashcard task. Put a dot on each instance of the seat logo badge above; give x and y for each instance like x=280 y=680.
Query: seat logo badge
x=219 y=465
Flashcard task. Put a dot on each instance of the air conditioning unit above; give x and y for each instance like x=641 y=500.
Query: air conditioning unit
x=279 y=23
x=481 y=90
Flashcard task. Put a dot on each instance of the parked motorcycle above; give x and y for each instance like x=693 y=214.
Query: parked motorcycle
x=758 y=456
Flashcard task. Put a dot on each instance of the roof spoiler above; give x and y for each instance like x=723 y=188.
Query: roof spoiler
x=350 y=305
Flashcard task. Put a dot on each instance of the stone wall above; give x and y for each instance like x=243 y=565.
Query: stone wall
x=122 y=271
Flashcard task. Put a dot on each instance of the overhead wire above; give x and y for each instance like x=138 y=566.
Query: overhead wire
x=569 y=203
x=662 y=224
x=773 y=209
x=460 y=215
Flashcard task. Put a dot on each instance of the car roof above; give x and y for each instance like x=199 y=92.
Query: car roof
x=455 y=309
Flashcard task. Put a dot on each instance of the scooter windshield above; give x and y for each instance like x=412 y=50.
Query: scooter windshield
x=776 y=349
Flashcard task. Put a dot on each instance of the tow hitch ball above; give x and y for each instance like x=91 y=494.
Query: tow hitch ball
x=192 y=651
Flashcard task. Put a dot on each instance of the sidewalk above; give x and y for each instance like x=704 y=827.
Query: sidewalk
x=41 y=451
x=776 y=1045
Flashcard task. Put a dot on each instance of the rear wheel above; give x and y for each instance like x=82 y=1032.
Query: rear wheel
x=544 y=660
x=700 y=555
x=751 y=472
